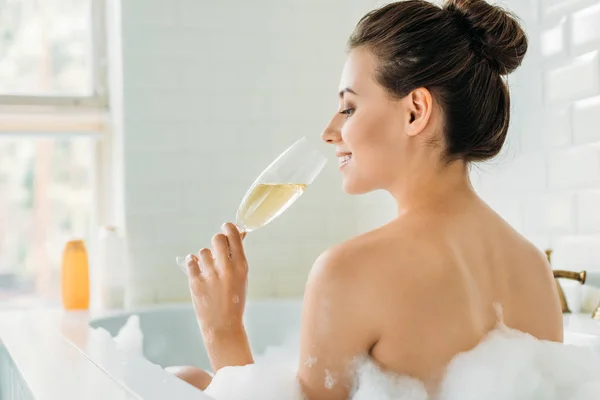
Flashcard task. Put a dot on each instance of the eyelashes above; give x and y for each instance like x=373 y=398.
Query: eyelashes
x=347 y=112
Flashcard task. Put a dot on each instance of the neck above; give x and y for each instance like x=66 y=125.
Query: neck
x=434 y=187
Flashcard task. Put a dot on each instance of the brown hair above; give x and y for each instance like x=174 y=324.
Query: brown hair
x=459 y=52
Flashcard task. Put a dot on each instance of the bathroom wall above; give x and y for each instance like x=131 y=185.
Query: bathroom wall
x=547 y=182
x=213 y=91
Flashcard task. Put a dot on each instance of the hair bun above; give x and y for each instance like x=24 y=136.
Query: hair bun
x=495 y=33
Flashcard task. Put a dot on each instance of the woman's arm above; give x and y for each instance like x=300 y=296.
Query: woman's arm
x=337 y=329
x=228 y=348
x=218 y=286
x=338 y=321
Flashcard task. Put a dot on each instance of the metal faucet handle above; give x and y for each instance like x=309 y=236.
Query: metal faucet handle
x=558 y=274
x=592 y=278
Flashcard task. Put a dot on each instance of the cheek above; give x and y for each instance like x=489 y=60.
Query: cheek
x=356 y=131
x=348 y=132
x=364 y=133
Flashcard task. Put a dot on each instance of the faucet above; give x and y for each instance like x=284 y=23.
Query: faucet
x=580 y=277
x=576 y=276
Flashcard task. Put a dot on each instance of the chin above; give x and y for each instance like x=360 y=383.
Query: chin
x=353 y=187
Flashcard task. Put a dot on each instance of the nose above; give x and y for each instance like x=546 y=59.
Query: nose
x=333 y=131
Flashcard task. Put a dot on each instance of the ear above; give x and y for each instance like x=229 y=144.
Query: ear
x=420 y=105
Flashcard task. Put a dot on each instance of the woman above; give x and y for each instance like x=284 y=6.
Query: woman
x=422 y=95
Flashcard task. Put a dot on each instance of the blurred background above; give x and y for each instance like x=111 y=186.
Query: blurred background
x=155 y=116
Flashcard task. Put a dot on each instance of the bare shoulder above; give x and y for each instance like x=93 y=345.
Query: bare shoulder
x=350 y=285
x=520 y=246
x=338 y=323
x=369 y=286
x=528 y=253
x=379 y=257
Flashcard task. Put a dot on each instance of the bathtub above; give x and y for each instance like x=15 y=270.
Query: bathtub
x=172 y=335
x=54 y=354
x=57 y=354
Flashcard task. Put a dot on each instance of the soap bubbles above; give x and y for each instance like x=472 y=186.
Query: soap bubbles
x=506 y=365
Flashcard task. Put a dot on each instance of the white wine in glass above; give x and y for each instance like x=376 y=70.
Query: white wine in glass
x=277 y=187
x=264 y=202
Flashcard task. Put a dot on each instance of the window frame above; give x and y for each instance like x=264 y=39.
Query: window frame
x=76 y=116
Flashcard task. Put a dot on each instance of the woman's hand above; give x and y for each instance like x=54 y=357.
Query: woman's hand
x=218 y=281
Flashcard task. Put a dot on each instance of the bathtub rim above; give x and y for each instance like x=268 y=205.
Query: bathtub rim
x=60 y=355
x=100 y=314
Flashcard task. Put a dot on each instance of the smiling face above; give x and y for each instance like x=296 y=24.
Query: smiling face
x=371 y=131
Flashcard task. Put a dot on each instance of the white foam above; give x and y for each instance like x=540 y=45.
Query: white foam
x=271 y=377
x=374 y=384
x=310 y=361
x=130 y=338
x=506 y=365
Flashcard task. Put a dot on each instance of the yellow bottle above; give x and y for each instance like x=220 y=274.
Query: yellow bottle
x=75 y=277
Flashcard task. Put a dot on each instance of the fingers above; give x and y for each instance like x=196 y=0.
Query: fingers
x=207 y=263
x=221 y=247
x=228 y=251
x=235 y=242
x=192 y=265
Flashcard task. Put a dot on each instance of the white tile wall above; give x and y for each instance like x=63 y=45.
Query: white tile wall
x=545 y=129
x=574 y=168
x=562 y=128
x=585 y=27
x=577 y=252
x=577 y=78
x=586 y=120
x=552 y=40
x=588 y=212
x=549 y=213
x=214 y=90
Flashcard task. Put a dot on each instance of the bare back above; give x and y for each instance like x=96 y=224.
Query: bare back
x=454 y=268
x=416 y=292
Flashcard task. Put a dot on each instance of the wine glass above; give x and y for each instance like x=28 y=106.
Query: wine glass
x=277 y=188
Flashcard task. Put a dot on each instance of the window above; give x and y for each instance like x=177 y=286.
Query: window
x=53 y=103
x=49 y=52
